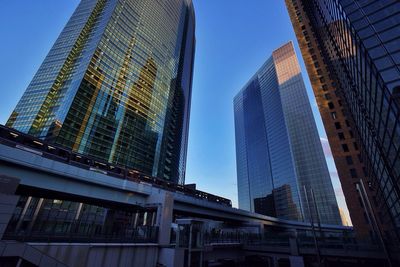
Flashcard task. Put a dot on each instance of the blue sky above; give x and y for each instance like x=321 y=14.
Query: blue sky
x=234 y=38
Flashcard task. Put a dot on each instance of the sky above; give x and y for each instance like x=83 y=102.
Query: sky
x=233 y=39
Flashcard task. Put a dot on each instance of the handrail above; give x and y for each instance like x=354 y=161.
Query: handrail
x=14 y=138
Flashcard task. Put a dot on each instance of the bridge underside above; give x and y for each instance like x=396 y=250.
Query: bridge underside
x=55 y=214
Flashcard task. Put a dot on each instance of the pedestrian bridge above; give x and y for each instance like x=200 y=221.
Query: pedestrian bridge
x=75 y=211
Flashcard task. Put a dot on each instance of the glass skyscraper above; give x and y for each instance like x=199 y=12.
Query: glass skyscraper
x=353 y=48
x=116 y=85
x=278 y=150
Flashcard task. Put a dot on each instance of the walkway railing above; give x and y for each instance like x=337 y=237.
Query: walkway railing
x=244 y=238
x=284 y=241
x=143 y=234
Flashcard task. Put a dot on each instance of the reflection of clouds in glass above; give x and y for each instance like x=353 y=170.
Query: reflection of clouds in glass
x=314 y=102
x=334 y=174
x=340 y=198
x=326 y=147
x=339 y=192
x=335 y=180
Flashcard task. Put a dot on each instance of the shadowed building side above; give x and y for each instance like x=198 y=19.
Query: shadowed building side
x=309 y=158
x=351 y=52
x=278 y=151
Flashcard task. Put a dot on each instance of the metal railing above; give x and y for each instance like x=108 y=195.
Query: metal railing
x=244 y=239
x=14 y=138
x=142 y=234
x=284 y=241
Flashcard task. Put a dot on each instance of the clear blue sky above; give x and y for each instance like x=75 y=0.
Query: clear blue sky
x=234 y=38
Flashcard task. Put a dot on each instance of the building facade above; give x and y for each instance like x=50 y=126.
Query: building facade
x=352 y=52
x=116 y=85
x=278 y=151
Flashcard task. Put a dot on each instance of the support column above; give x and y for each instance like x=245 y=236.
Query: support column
x=8 y=200
x=165 y=203
x=275 y=262
x=296 y=261
x=294 y=248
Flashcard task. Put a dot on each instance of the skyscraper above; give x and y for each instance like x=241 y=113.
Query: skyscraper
x=278 y=150
x=351 y=49
x=116 y=85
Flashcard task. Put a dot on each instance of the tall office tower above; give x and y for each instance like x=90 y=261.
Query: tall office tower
x=278 y=150
x=116 y=85
x=352 y=52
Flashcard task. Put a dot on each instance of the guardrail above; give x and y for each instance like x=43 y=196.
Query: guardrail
x=14 y=138
x=284 y=241
x=142 y=234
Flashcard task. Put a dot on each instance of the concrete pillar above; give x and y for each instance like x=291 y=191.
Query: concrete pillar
x=275 y=262
x=296 y=261
x=165 y=203
x=8 y=200
x=171 y=257
x=294 y=249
